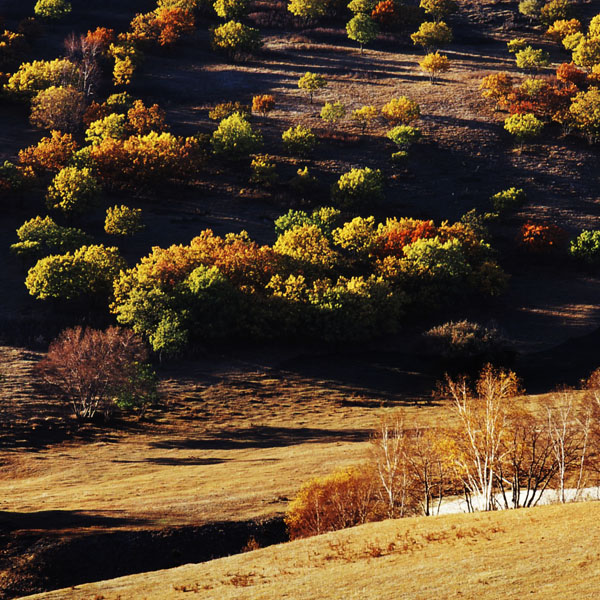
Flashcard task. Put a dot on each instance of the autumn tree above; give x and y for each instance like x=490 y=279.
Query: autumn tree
x=299 y=140
x=498 y=87
x=385 y=13
x=358 y=186
x=364 y=116
x=333 y=112
x=585 y=113
x=59 y=108
x=523 y=127
x=434 y=64
x=231 y=9
x=401 y=110
x=50 y=154
x=73 y=191
x=312 y=82
x=143 y=119
x=308 y=9
x=123 y=220
x=97 y=371
x=532 y=59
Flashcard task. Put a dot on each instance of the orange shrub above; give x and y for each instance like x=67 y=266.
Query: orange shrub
x=540 y=238
x=497 y=87
x=385 y=13
x=101 y=37
x=398 y=233
x=50 y=154
x=570 y=73
x=263 y=103
x=144 y=119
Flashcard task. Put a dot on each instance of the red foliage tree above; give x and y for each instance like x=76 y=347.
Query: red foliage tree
x=541 y=238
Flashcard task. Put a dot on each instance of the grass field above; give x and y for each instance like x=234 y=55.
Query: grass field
x=545 y=552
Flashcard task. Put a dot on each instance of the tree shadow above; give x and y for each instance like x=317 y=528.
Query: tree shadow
x=262 y=437
x=60 y=520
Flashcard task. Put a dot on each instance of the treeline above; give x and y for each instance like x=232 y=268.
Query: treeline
x=496 y=455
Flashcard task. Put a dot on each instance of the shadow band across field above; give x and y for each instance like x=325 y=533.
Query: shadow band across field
x=263 y=437
x=39 y=564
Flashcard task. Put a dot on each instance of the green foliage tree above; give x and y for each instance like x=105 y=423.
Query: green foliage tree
x=87 y=272
x=312 y=82
x=39 y=237
x=516 y=45
x=308 y=9
x=263 y=171
x=523 y=126
x=362 y=29
x=432 y=35
x=585 y=113
x=404 y=136
x=123 y=220
x=508 y=200
x=325 y=218
x=235 y=138
x=358 y=186
x=532 y=59
x=364 y=116
x=530 y=8
x=52 y=9
x=112 y=126
x=361 y=6
x=586 y=247
x=33 y=77
x=299 y=140
x=307 y=245
x=235 y=38
x=333 y=112
x=73 y=191
x=439 y=9
x=231 y=9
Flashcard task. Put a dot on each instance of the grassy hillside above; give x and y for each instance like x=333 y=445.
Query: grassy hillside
x=545 y=552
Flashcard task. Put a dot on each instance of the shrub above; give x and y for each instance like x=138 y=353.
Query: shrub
x=324 y=218
x=585 y=113
x=226 y=109
x=59 y=108
x=95 y=371
x=163 y=26
x=555 y=10
x=112 y=126
x=144 y=119
x=530 y=8
x=231 y=9
x=498 y=87
x=299 y=140
x=560 y=29
x=50 y=154
x=586 y=247
x=586 y=52
x=434 y=64
x=87 y=272
x=569 y=73
x=343 y=499
x=311 y=82
x=358 y=186
x=465 y=340
x=401 y=110
x=523 y=126
x=306 y=245
x=357 y=236
x=516 y=45
x=361 y=6
x=531 y=59
x=308 y=9
x=52 y=9
x=364 y=116
x=304 y=182
x=33 y=77
x=263 y=171
x=362 y=29
x=508 y=200
x=404 y=135
x=42 y=236
x=396 y=234
x=385 y=13
x=73 y=191
x=332 y=113
x=122 y=220
x=235 y=138
x=235 y=38
x=439 y=9
x=263 y=104
x=432 y=35
x=540 y=238
x=437 y=259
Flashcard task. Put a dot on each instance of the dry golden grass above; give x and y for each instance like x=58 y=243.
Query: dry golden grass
x=545 y=552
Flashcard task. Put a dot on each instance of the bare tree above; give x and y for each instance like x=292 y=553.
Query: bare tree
x=91 y=368
x=483 y=415
x=85 y=53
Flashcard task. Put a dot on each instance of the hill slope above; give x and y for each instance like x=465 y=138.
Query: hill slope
x=545 y=552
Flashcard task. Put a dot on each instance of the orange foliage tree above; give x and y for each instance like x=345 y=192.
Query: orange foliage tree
x=50 y=154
